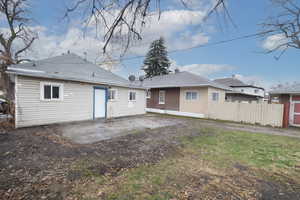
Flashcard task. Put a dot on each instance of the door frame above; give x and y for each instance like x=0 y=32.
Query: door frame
x=292 y=111
x=106 y=99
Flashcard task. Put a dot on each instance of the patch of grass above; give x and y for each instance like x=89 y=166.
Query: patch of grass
x=257 y=150
x=211 y=162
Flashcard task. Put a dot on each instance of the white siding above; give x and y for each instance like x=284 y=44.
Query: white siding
x=251 y=91
x=123 y=107
x=77 y=103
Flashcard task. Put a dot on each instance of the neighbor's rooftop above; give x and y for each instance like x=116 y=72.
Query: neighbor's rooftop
x=179 y=79
x=290 y=89
x=234 y=82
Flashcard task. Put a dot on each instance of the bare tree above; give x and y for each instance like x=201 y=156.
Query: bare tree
x=285 y=25
x=123 y=20
x=15 y=39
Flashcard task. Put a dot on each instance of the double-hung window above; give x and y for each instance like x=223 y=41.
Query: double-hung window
x=215 y=96
x=191 y=95
x=112 y=94
x=162 y=97
x=51 y=91
x=132 y=96
x=148 y=94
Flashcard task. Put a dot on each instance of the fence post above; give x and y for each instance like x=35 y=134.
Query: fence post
x=286 y=114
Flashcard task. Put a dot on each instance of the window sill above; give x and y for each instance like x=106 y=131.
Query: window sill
x=51 y=100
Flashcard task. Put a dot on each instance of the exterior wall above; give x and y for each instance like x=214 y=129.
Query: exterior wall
x=251 y=91
x=77 y=103
x=121 y=106
x=261 y=113
x=171 y=99
x=194 y=106
x=202 y=104
x=176 y=100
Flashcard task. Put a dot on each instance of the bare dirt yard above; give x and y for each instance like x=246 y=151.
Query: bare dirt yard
x=183 y=159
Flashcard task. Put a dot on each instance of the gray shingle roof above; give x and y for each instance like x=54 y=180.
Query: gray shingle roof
x=234 y=82
x=230 y=82
x=180 y=79
x=70 y=67
x=291 y=89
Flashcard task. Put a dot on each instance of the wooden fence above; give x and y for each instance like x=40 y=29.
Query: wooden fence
x=253 y=113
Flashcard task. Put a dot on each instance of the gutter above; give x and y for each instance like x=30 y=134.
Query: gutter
x=44 y=75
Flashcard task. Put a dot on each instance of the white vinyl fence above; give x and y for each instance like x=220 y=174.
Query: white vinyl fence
x=253 y=113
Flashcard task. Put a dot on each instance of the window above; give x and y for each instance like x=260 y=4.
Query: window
x=51 y=91
x=161 y=97
x=215 y=96
x=112 y=95
x=256 y=91
x=47 y=91
x=148 y=94
x=191 y=95
x=132 y=96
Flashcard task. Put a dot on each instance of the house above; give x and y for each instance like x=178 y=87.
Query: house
x=68 y=88
x=290 y=97
x=241 y=92
x=182 y=93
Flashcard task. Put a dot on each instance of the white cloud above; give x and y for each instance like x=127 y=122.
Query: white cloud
x=203 y=69
x=273 y=42
x=173 y=26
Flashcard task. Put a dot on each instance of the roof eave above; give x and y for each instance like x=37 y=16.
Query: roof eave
x=74 y=79
x=188 y=85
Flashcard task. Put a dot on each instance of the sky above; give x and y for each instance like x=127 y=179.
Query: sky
x=182 y=28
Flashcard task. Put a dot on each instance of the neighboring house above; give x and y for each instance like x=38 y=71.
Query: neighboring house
x=68 y=88
x=290 y=97
x=182 y=93
x=241 y=92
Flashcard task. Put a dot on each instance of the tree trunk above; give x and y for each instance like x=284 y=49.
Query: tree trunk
x=7 y=87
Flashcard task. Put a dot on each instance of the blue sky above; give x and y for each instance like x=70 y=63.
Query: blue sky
x=242 y=57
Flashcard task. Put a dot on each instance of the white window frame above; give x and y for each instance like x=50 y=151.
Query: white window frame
x=148 y=94
x=164 y=96
x=134 y=96
x=52 y=84
x=116 y=94
x=192 y=91
x=212 y=96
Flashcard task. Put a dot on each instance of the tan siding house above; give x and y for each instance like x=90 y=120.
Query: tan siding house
x=192 y=93
x=65 y=92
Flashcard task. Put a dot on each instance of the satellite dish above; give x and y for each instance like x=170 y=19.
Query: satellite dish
x=131 y=78
x=141 y=78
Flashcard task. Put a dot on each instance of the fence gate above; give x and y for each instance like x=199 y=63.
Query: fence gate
x=295 y=111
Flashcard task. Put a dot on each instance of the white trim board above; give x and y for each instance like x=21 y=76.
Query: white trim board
x=172 y=112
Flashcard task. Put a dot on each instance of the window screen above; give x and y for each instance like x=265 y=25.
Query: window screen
x=55 y=92
x=132 y=96
x=215 y=96
x=111 y=94
x=47 y=91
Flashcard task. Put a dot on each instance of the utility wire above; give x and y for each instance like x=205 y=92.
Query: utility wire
x=204 y=45
x=184 y=49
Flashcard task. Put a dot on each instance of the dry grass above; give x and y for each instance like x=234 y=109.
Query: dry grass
x=212 y=164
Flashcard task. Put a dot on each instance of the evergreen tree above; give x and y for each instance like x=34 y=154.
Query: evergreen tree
x=156 y=61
